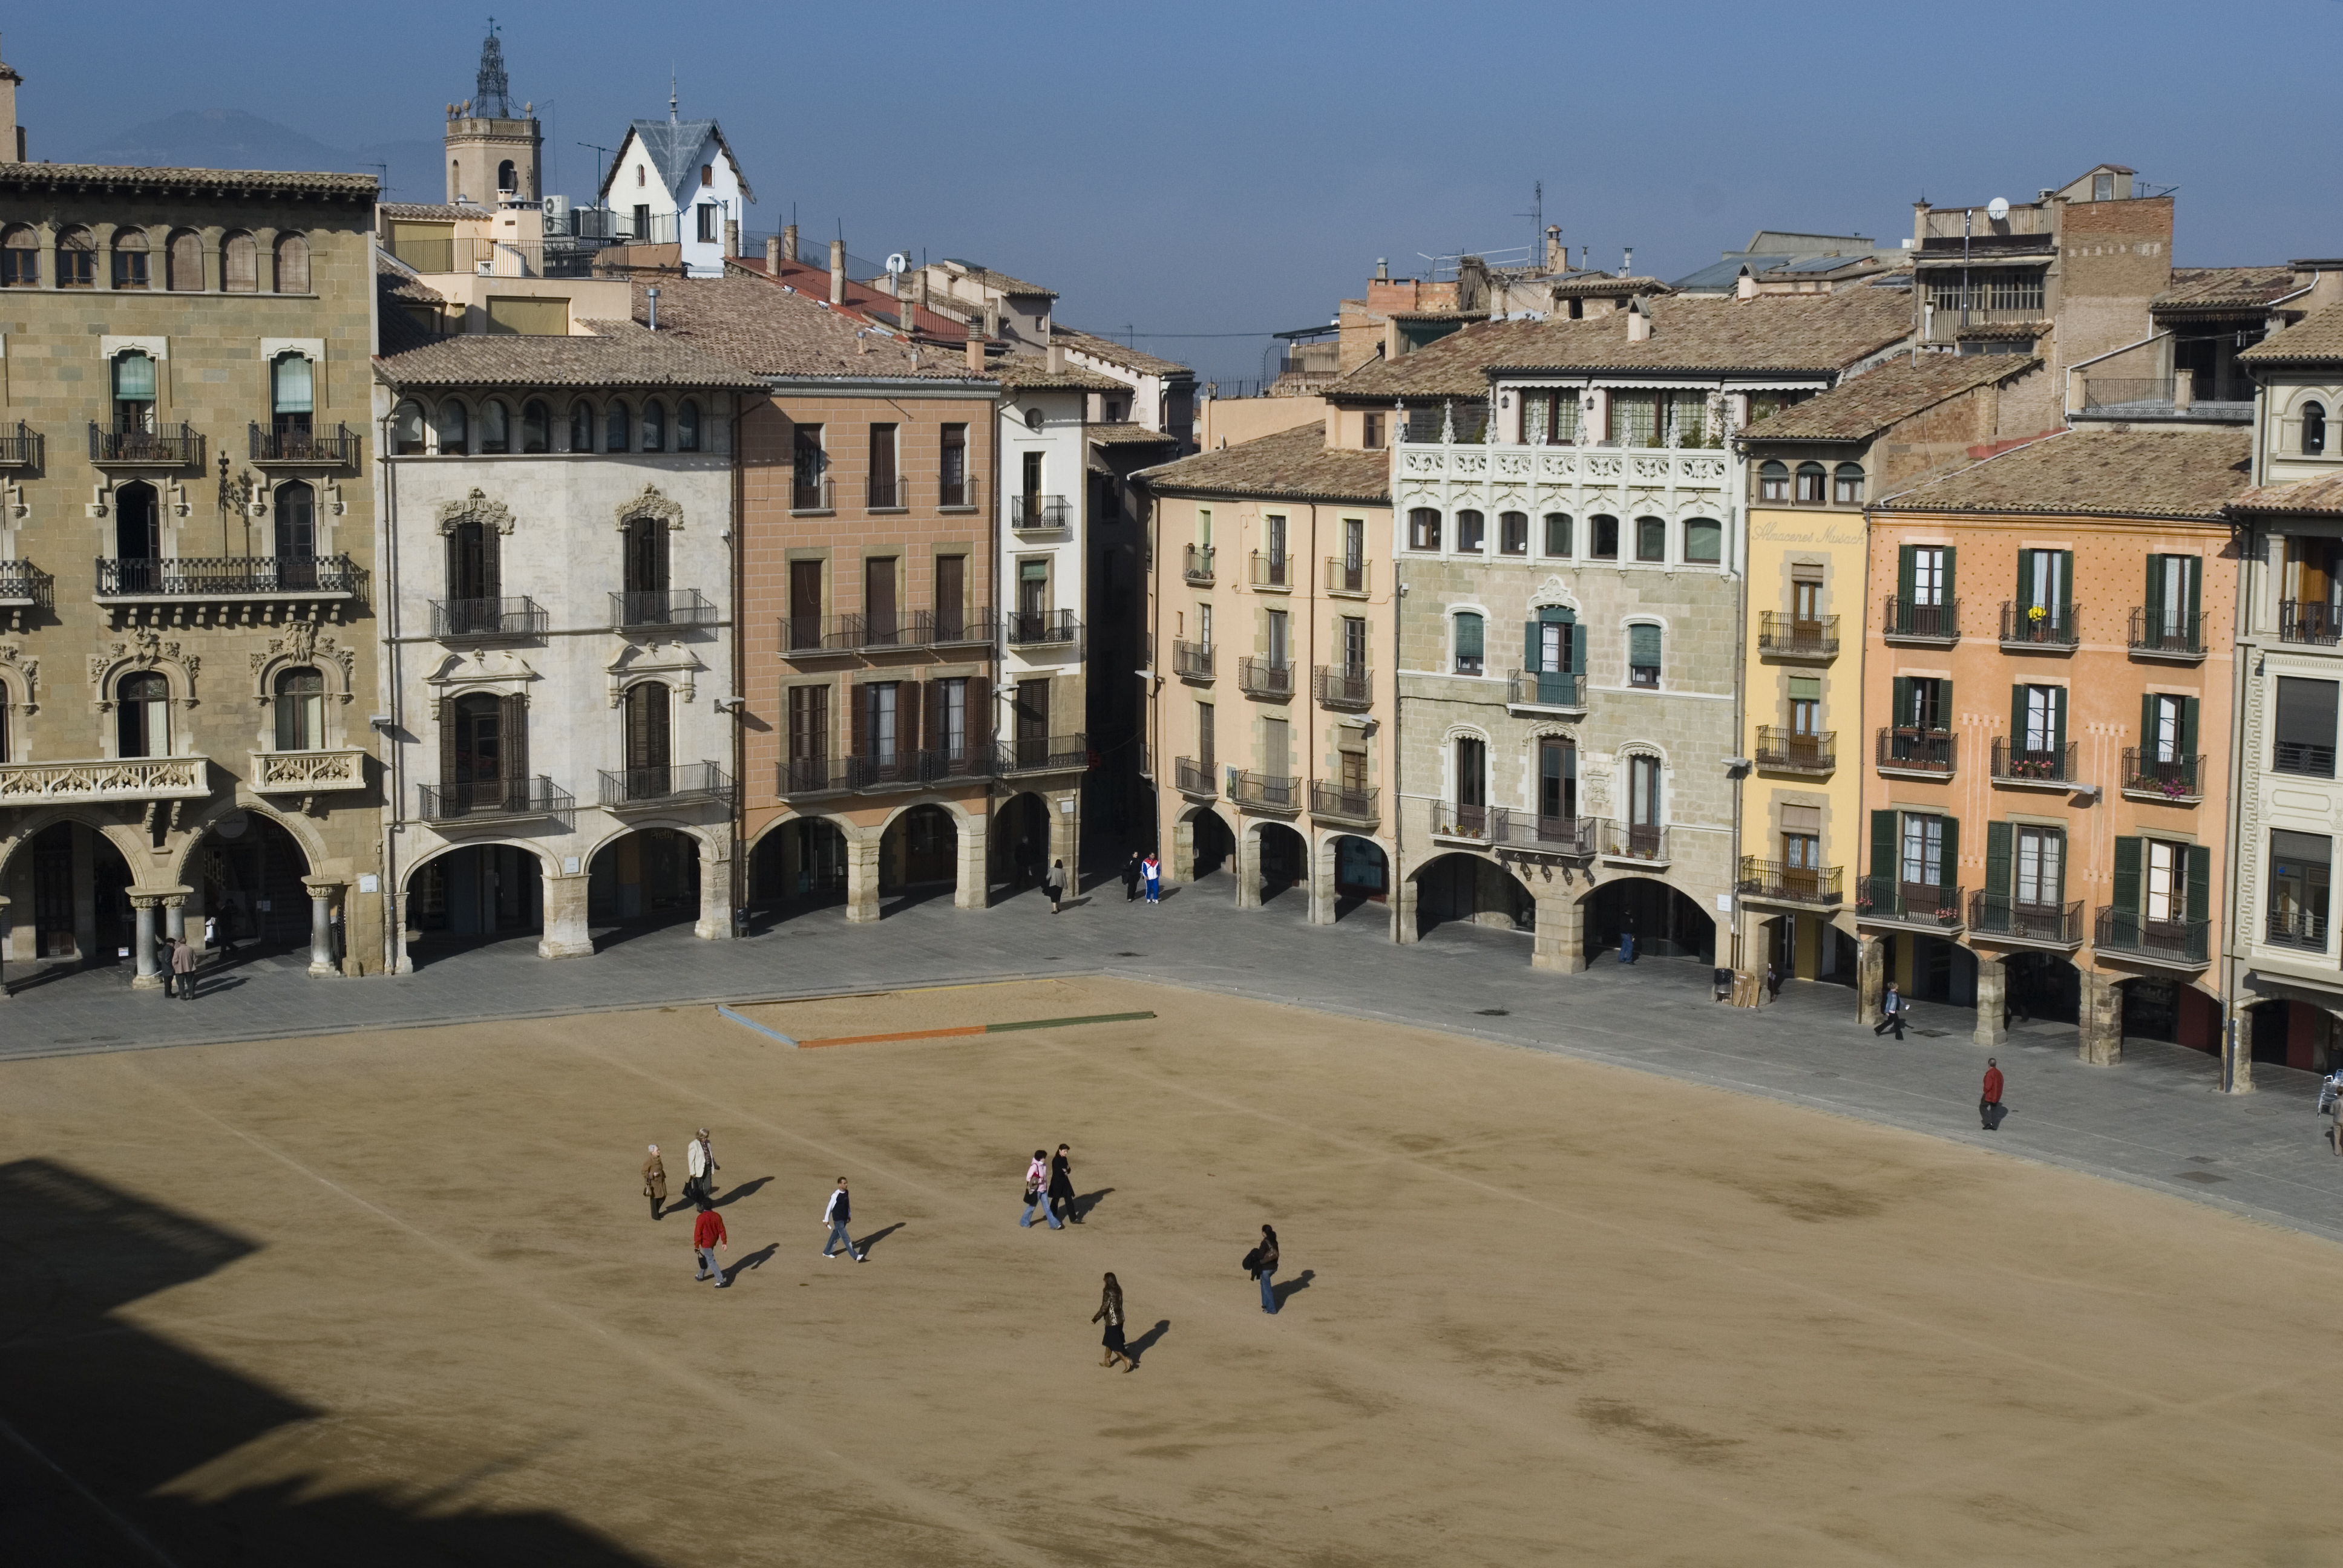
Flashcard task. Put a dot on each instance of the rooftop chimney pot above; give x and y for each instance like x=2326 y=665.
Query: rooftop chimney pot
x=1057 y=359
x=773 y=253
x=790 y=242
x=838 y=272
x=1639 y=325
x=975 y=355
x=1744 y=286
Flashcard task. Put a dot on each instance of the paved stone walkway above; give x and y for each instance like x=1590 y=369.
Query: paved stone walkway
x=2156 y=1121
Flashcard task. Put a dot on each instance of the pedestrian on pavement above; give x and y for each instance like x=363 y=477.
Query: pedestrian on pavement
x=182 y=965
x=1062 y=1187
x=655 y=1182
x=1037 y=1191
x=211 y=933
x=708 y=1238
x=1133 y=875
x=163 y=947
x=1891 y=1013
x=700 y=1168
x=838 y=1217
x=1262 y=1263
x=1627 y=940
x=1111 y=1309
x=1773 y=983
x=1056 y=883
x=1989 y=1102
x=2330 y=1104
x=1150 y=871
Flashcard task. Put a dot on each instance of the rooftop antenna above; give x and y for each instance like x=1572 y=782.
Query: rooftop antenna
x=1536 y=215
x=605 y=153
x=670 y=95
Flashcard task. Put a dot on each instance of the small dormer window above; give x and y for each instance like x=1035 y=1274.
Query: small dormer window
x=707 y=174
x=2103 y=187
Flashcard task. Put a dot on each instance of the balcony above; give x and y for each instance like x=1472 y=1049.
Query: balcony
x=182 y=449
x=2048 y=627
x=2295 y=929
x=1534 y=832
x=2003 y=919
x=671 y=784
x=886 y=631
x=1042 y=627
x=1787 y=751
x=883 y=493
x=2166 y=634
x=2048 y=768
x=956 y=493
x=1467 y=823
x=2308 y=620
x=1886 y=900
x=1351 y=807
x=1643 y=843
x=1783 y=635
x=303 y=446
x=1346 y=578
x=2176 y=944
x=813 y=775
x=812 y=636
x=1191 y=660
x=488 y=619
x=1038 y=514
x=1190 y=777
x=20 y=447
x=1908 y=621
x=1196 y=565
x=1916 y=753
x=811 y=490
x=961 y=626
x=1345 y=685
x=897 y=769
x=126 y=779
x=1273 y=573
x=1550 y=477
x=306 y=772
x=490 y=801
x=2306 y=757
x=23 y=586
x=1262 y=677
x=1545 y=692
x=2172 y=781
x=1779 y=883
x=1044 y=754
x=205 y=590
x=660 y=610
x=1266 y=791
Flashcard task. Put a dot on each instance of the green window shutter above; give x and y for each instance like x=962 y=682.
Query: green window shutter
x=2017 y=719
x=2024 y=581
x=1997 y=858
x=1904 y=573
x=2146 y=728
x=1578 y=648
x=2200 y=874
x=1952 y=868
x=2188 y=726
x=1534 y=646
x=2153 y=607
x=1950 y=592
x=1882 y=844
x=1901 y=714
x=1468 y=636
x=2058 y=719
x=2127 y=890
x=2066 y=605
x=2195 y=587
x=1643 y=645
x=1805 y=689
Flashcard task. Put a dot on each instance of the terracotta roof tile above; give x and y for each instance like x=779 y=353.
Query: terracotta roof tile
x=2112 y=471
x=1859 y=408
x=243 y=183
x=2314 y=340
x=1123 y=434
x=1602 y=285
x=432 y=212
x=2224 y=287
x=1031 y=373
x=769 y=331
x=1115 y=353
x=1294 y=464
x=1000 y=282
x=2322 y=496
x=619 y=354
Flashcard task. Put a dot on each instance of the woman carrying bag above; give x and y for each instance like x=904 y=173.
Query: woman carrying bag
x=1111 y=1309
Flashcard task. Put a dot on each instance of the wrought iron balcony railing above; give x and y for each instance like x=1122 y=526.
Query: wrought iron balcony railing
x=1043 y=753
x=20 y=447
x=1545 y=688
x=2179 y=942
x=1191 y=660
x=1788 y=752
x=2170 y=778
x=1913 y=621
x=675 y=783
x=495 y=799
x=1190 y=777
x=464 y=620
x=880 y=491
x=1348 y=577
x=811 y=490
x=200 y=577
x=2024 y=765
x=1038 y=514
x=178 y=448
x=1345 y=685
x=1907 y=904
x=1260 y=678
x=1783 y=635
x=335 y=446
x=1526 y=829
x=661 y=607
x=1452 y=821
x=2306 y=757
x=22 y=582
x=1037 y=628
x=1999 y=915
x=813 y=775
x=1915 y=751
x=2296 y=928
x=1777 y=879
x=1338 y=804
x=2039 y=624
x=2173 y=633
x=1196 y=565
x=2309 y=621
x=884 y=770
x=1265 y=791
x=1634 y=840
x=1272 y=571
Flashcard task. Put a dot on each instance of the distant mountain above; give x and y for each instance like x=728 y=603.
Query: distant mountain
x=231 y=139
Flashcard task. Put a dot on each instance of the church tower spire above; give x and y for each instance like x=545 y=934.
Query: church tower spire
x=493 y=154
x=492 y=94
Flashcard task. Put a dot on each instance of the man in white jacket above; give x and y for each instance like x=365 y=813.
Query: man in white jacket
x=700 y=1168
x=838 y=1216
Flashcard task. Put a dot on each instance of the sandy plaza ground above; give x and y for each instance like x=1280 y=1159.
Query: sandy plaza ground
x=395 y=1298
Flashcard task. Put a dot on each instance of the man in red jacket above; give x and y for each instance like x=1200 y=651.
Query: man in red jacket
x=1989 y=1103
x=706 y=1237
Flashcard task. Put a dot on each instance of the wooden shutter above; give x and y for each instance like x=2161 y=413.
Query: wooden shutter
x=2200 y=877
x=2188 y=727
x=2152 y=610
x=2025 y=580
x=1899 y=715
x=241 y=265
x=857 y=720
x=1950 y=874
x=1883 y=845
x=980 y=711
x=512 y=723
x=1904 y=573
x=1643 y=645
x=2194 y=569
x=907 y=716
x=450 y=718
x=2148 y=730
x=2058 y=721
x=1998 y=837
x=1950 y=591
x=2126 y=884
x=2018 y=695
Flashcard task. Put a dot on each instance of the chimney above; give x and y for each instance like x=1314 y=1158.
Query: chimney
x=1627 y=267
x=732 y=236
x=1744 y=286
x=651 y=295
x=1557 y=254
x=790 y=242
x=838 y=272
x=12 y=135
x=991 y=320
x=2184 y=390
x=921 y=298
x=773 y=253
x=1639 y=324
x=1382 y=269
x=975 y=355
x=1056 y=359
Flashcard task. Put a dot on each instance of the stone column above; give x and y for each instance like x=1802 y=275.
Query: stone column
x=1403 y=908
x=2237 y=1044
x=402 y=962
x=1066 y=836
x=2101 y=1019
x=322 y=962
x=715 y=923
x=142 y=946
x=7 y=941
x=863 y=878
x=565 y=936
x=1182 y=870
x=1992 y=997
x=1560 y=942
x=1321 y=882
x=1870 y=976
x=1248 y=868
x=174 y=913
x=84 y=896
x=975 y=847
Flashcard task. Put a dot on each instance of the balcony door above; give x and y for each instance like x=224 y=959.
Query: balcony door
x=143 y=715
x=804 y=604
x=1031 y=705
x=880 y=621
x=1557 y=804
x=485 y=753
x=1031 y=491
x=473 y=586
x=645 y=565
x=296 y=535
x=300 y=710
x=645 y=722
x=1556 y=652
x=1644 y=805
x=808 y=738
x=138 y=538
x=1471 y=765
x=952 y=597
x=1033 y=598
x=1205 y=758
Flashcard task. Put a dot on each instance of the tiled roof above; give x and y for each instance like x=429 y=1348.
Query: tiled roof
x=245 y=183
x=1124 y=434
x=1860 y=408
x=1294 y=464
x=2317 y=340
x=619 y=354
x=2113 y=471
x=1032 y=374
x=397 y=280
x=432 y=212
x=2224 y=287
x=874 y=304
x=2323 y=496
x=674 y=150
x=1115 y=353
x=1000 y=282
x=769 y=331
x=1602 y=285
x=2001 y=331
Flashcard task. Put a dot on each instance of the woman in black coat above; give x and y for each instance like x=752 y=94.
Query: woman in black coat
x=1061 y=1185
x=1111 y=1309
x=1264 y=1264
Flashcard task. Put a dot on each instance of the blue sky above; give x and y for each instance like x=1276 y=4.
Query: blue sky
x=1209 y=168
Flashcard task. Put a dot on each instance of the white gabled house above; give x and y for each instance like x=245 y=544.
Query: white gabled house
x=676 y=182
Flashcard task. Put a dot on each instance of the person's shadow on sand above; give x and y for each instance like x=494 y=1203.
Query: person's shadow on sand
x=1284 y=1292
x=1139 y=1347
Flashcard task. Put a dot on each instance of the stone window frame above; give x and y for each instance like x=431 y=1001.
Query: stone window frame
x=143 y=651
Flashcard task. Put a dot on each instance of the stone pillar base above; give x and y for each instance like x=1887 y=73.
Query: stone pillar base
x=1402 y=910
x=1870 y=977
x=1992 y=1000
x=715 y=923
x=2237 y=1045
x=565 y=936
x=970 y=892
x=1321 y=883
x=1181 y=868
x=1249 y=868
x=2101 y=1017
x=862 y=880
x=1559 y=944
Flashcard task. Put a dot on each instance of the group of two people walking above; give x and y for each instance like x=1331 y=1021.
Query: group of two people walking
x=1050 y=1189
x=700 y=1173
x=1142 y=871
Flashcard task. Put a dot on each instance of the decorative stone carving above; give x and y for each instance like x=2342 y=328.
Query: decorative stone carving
x=652 y=503
x=304 y=642
x=146 y=649
x=478 y=507
x=673 y=662
x=27 y=672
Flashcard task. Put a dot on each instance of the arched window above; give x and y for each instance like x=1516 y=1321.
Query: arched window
x=654 y=426
x=1704 y=542
x=185 y=265
x=293 y=264
x=1650 y=539
x=495 y=434
x=687 y=426
x=536 y=427
x=581 y=426
x=616 y=427
x=1423 y=529
x=300 y=710
x=2314 y=429
x=1644 y=655
x=1810 y=485
x=130 y=256
x=20 y=257
x=143 y=715
x=1470 y=781
x=240 y=264
x=292 y=393
x=1513 y=533
x=1774 y=481
x=1603 y=536
x=1846 y=485
x=507 y=179
x=407 y=430
x=1469 y=646
x=1557 y=533
x=455 y=430
x=1468 y=532
x=134 y=393
x=76 y=259
x=646 y=740
x=296 y=536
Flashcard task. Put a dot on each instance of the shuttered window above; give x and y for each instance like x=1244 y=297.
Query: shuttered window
x=240 y=264
x=1643 y=655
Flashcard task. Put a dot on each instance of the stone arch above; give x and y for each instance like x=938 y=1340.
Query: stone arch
x=797 y=854
x=1665 y=920
x=128 y=837
x=1466 y=887
x=145 y=649
x=301 y=829
x=304 y=643
x=1202 y=843
x=475 y=508
x=1278 y=856
x=1345 y=872
x=909 y=857
x=651 y=503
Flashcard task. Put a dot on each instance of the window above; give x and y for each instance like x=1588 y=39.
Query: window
x=707 y=175
x=296 y=529
x=644 y=561
x=2171 y=611
x=805 y=604
x=2314 y=429
x=1634 y=418
x=1810 y=485
x=1354 y=644
x=2300 y=866
x=1926 y=572
x=455 y=430
x=292 y=393
x=76 y=259
x=183 y=263
x=134 y=392
x=1280 y=640
x=1555 y=650
x=1372 y=432
x=138 y=526
x=1557 y=781
x=293 y=264
x=955 y=466
x=300 y=710
x=1549 y=418
x=618 y=426
x=654 y=426
x=1643 y=792
x=2041 y=877
x=1034 y=588
x=1354 y=555
x=1806 y=601
x=2044 y=583
x=1205 y=730
x=536 y=427
x=407 y=430
x=1805 y=705
x=880 y=621
x=2103 y=187
x=495 y=433
x=1472 y=778
x=1774 y=481
x=508 y=178
x=709 y=231
x=643 y=723
x=638 y=180
x=687 y=426
x=473 y=559
x=1030 y=491
x=485 y=755
x=1423 y=529
x=1704 y=542
x=1514 y=533
x=581 y=426
x=952 y=597
x=240 y=264
x=1603 y=538
x=1846 y=485
x=2037 y=724
x=807 y=460
x=1922 y=859
x=883 y=475
x=1650 y=539
x=809 y=735
x=1643 y=655
x=1469 y=525
x=1468 y=643
x=2305 y=726
x=1557 y=533
x=2166 y=884
x=1204 y=625
x=143 y=716
x=20 y=257
x=1274 y=526
x=130 y=258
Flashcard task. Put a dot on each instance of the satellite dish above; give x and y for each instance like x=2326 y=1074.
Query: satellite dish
x=1997 y=208
x=898 y=264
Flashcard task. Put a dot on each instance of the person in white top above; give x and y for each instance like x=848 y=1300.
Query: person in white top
x=1037 y=1191
x=700 y=1168
x=838 y=1216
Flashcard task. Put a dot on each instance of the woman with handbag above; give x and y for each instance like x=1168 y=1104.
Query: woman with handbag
x=655 y=1181
x=1111 y=1309
x=1037 y=1191
x=1262 y=1261
x=1062 y=1187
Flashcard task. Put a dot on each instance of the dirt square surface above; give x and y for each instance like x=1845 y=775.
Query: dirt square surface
x=396 y=1298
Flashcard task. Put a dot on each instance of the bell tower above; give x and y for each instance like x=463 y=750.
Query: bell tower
x=493 y=154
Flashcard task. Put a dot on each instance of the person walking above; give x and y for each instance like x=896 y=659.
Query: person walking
x=1062 y=1187
x=2330 y=1105
x=1989 y=1102
x=1111 y=1309
x=164 y=945
x=1773 y=983
x=183 y=966
x=838 y=1217
x=1262 y=1261
x=708 y=1238
x=1055 y=880
x=1037 y=1191
x=1151 y=873
x=1891 y=1012
x=1133 y=875
x=1627 y=940
x=700 y=1168
x=655 y=1182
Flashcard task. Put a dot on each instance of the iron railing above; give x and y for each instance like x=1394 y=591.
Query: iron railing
x=1260 y=677
x=661 y=607
x=1919 y=622
x=1526 y=829
x=2039 y=624
x=2170 y=778
x=811 y=490
x=1043 y=753
x=2308 y=620
x=453 y=619
x=880 y=491
x=1451 y=820
x=1789 y=751
x=956 y=492
x=674 y=783
x=1038 y=513
x=1196 y=565
x=1907 y=904
x=182 y=450
x=21 y=582
x=886 y=628
x=1265 y=791
x=198 y=576
x=1777 y=879
x=1787 y=636
x=884 y=770
x=1345 y=685
x=495 y=798
x=2168 y=632
x=813 y=775
x=1916 y=751
x=2046 y=765
x=303 y=444
x=1032 y=628
x=1190 y=777
x=1272 y=571
x=1634 y=840
x=2295 y=929
x=1999 y=915
x=1191 y=660
x=2127 y=391
x=1545 y=688
x=959 y=624
x=1347 y=576
x=2165 y=942
x=2302 y=757
x=805 y=635
x=1332 y=800
x=20 y=448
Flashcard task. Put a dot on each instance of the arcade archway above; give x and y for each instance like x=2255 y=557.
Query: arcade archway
x=247 y=872
x=1285 y=859
x=1361 y=873
x=1211 y=843
x=919 y=852
x=800 y=863
x=648 y=877
x=1468 y=889
x=1019 y=844
x=474 y=894
x=71 y=889
x=1664 y=923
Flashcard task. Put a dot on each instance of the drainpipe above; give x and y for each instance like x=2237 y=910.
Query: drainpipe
x=393 y=819
x=740 y=888
x=2249 y=588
